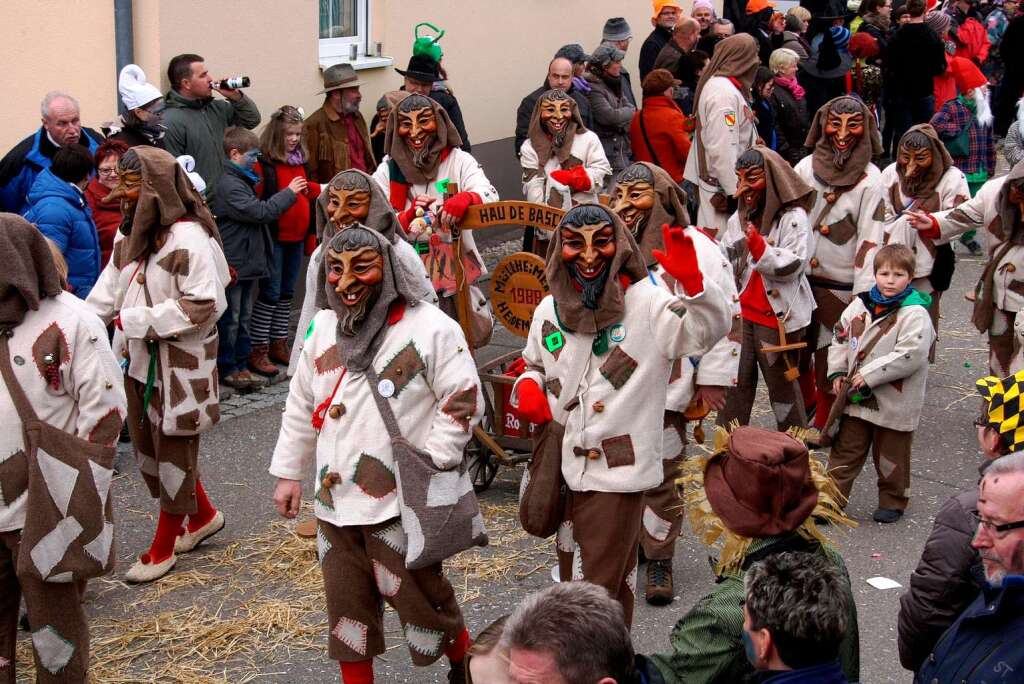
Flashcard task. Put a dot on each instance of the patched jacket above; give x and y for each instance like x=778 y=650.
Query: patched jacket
x=87 y=399
x=727 y=130
x=846 y=233
x=538 y=185
x=783 y=266
x=895 y=368
x=656 y=329
x=434 y=393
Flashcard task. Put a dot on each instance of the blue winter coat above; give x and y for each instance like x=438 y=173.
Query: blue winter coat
x=20 y=166
x=984 y=644
x=60 y=212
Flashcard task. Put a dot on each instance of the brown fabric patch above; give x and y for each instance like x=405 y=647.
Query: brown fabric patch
x=678 y=308
x=879 y=214
x=178 y=393
x=213 y=411
x=547 y=329
x=897 y=384
x=176 y=262
x=995 y=226
x=571 y=162
x=871 y=403
x=179 y=358
x=554 y=385
x=789 y=269
x=618 y=368
x=328 y=361
x=830 y=307
x=188 y=421
x=461 y=406
x=857 y=325
x=960 y=199
x=842 y=231
x=151 y=335
x=554 y=198
x=200 y=388
x=107 y=429
x=198 y=312
x=677 y=371
x=618 y=451
x=1016 y=286
x=210 y=348
x=117 y=255
x=529 y=175
x=14 y=476
x=736 y=331
x=403 y=367
x=50 y=342
x=862 y=253
x=373 y=477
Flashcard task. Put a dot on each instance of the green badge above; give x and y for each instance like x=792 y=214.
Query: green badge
x=442 y=185
x=554 y=341
x=600 y=343
x=309 y=331
x=421 y=247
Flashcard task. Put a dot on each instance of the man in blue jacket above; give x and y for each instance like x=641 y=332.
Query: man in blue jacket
x=57 y=207
x=62 y=125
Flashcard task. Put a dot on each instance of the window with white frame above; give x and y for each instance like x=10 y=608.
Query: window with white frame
x=343 y=24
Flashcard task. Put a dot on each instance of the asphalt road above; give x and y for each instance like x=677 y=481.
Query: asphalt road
x=248 y=607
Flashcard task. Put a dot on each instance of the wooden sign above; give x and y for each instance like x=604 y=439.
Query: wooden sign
x=511 y=214
x=517 y=286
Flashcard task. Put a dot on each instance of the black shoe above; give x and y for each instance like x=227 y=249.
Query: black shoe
x=457 y=673
x=886 y=515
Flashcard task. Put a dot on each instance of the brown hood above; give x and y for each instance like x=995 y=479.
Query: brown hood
x=357 y=351
x=735 y=56
x=940 y=162
x=29 y=276
x=670 y=208
x=396 y=148
x=1009 y=214
x=544 y=144
x=166 y=196
x=869 y=145
x=627 y=261
x=785 y=189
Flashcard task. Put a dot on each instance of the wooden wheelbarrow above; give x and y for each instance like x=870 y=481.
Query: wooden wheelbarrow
x=792 y=372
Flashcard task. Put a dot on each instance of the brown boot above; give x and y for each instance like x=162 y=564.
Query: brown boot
x=279 y=352
x=659 y=591
x=260 y=362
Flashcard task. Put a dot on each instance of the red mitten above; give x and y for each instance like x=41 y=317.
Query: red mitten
x=576 y=178
x=533 y=403
x=755 y=242
x=406 y=217
x=680 y=259
x=457 y=205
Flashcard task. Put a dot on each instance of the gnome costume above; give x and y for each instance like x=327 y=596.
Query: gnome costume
x=601 y=346
x=726 y=127
x=846 y=223
x=766 y=241
x=332 y=426
x=59 y=358
x=164 y=290
x=563 y=163
x=997 y=213
x=378 y=215
x=646 y=198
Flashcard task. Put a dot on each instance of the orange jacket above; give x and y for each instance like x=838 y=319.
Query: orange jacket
x=665 y=124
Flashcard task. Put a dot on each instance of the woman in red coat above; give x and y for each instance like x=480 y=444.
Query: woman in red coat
x=658 y=131
x=106 y=215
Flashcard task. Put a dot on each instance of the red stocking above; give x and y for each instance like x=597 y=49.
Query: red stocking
x=204 y=512
x=456 y=651
x=359 y=672
x=824 y=405
x=167 y=529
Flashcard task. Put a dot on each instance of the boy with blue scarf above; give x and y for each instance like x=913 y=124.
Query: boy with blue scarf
x=879 y=361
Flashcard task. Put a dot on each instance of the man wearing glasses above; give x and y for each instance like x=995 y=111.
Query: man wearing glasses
x=971 y=573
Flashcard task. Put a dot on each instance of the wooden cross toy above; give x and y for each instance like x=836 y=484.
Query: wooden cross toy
x=792 y=372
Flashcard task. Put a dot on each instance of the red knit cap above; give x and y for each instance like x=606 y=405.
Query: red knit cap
x=967 y=75
x=863 y=45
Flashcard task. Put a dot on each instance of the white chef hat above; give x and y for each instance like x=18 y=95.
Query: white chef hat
x=189 y=164
x=135 y=90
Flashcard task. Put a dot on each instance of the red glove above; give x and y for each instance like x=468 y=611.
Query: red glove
x=576 y=178
x=755 y=242
x=933 y=233
x=406 y=217
x=533 y=403
x=457 y=205
x=680 y=259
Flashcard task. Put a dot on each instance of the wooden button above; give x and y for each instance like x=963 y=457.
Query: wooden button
x=398 y=371
x=1010 y=268
x=593 y=454
x=861 y=356
x=598 y=406
x=814 y=262
x=770 y=241
x=141 y=279
x=735 y=353
x=736 y=316
x=336 y=411
x=824 y=230
x=831 y=197
x=327 y=482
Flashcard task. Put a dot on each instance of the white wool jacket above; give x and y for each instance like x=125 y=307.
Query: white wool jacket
x=951 y=191
x=896 y=368
x=728 y=129
x=783 y=266
x=434 y=392
x=88 y=400
x=618 y=407
x=540 y=188
x=845 y=234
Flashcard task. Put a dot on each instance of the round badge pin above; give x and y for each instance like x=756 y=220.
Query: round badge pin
x=618 y=332
x=386 y=388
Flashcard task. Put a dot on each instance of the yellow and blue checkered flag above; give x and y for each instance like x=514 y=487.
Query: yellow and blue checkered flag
x=1005 y=407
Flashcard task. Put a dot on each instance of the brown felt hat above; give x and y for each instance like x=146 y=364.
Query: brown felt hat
x=659 y=80
x=760 y=484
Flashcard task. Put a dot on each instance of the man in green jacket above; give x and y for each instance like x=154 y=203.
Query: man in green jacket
x=196 y=122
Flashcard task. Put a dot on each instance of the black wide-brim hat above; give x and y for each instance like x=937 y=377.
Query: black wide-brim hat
x=421 y=68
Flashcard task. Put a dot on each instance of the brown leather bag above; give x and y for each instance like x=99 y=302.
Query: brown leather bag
x=542 y=490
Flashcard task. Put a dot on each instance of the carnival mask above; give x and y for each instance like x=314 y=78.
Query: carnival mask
x=555 y=115
x=417 y=127
x=844 y=130
x=750 y=188
x=633 y=201
x=587 y=251
x=913 y=160
x=129 y=183
x=356 y=276
x=1016 y=195
x=347 y=205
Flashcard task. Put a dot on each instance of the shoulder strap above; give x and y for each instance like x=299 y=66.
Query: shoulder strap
x=577 y=367
x=18 y=396
x=647 y=141
x=386 y=413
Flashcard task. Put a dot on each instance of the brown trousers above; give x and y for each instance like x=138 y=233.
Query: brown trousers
x=1002 y=342
x=364 y=565
x=60 y=630
x=784 y=395
x=598 y=542
x=169 y=465
x=890 y=450
x=663 y=505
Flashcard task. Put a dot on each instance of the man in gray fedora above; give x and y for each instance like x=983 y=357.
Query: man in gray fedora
x=336 y=134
